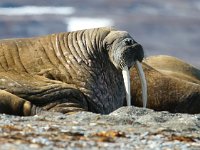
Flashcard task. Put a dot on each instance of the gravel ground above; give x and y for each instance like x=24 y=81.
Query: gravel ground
x=126 y=128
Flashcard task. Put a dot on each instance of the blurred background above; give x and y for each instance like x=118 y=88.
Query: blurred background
x=163 y=27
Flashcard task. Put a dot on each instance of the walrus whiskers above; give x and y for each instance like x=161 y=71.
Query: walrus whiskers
x=143 y=83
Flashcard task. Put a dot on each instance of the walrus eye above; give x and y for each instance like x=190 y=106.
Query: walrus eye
x=107 y=46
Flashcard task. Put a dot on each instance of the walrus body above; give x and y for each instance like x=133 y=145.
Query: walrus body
x=173 y=85
x=65 y=72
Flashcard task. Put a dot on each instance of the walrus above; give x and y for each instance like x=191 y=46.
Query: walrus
x=173 y=85
x=67 y=72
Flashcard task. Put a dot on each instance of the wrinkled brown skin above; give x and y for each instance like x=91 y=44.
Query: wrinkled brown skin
x=65 y=72
x=173 y=85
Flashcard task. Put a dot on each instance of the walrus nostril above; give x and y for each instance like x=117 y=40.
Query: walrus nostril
x=129 y=41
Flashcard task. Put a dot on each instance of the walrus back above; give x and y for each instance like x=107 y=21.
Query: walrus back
x=18 y=54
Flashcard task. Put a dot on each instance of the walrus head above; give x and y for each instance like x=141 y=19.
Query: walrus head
x=124 y=52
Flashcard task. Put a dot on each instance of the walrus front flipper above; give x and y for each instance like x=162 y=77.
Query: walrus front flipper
x=66 y=108
x=14 y=105
x=74 y=101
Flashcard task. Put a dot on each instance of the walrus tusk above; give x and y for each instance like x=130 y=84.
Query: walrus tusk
x=143 y=83
x=126 y=76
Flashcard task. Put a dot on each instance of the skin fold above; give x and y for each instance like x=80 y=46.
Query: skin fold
x=173 y=85
x=66 y=72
